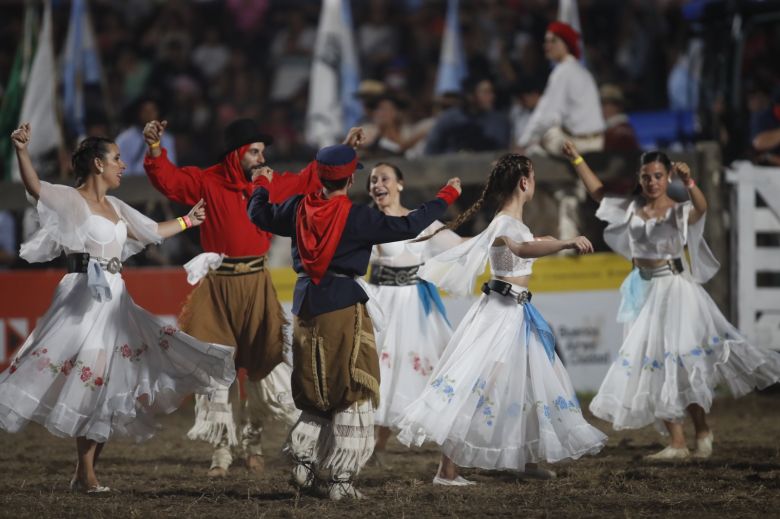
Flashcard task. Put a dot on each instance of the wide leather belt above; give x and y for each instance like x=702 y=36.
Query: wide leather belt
x=394 y=276
x=507 y=290
x=672 y=267
x=241 y=265
x=79 y=261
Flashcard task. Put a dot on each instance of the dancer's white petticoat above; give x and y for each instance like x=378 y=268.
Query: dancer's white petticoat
x=97 y=364
x=678 y=346
x=497 y=400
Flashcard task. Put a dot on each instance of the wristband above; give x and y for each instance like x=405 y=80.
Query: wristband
x=155 y=145
x=579 y=160
x=187 y=220
x=448 y=193
x=182 y=223
x=690 y=184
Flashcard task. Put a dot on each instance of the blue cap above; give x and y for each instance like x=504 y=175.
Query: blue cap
x=337 y=155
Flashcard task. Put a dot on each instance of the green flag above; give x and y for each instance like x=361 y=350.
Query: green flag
x=14 y=91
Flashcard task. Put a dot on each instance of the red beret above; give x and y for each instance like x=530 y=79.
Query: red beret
x=569 y=36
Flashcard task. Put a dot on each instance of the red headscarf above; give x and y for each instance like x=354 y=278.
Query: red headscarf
x=569 y=36
x=234 y=173
x=318 y=227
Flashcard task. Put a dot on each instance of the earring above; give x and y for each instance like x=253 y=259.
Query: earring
x=400 y=188
x=100 y=170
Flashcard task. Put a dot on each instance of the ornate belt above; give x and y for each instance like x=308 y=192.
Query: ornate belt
x=394 y=276
x=672 y=267
x=505 y=289
x=240 y=265
x=79 y=262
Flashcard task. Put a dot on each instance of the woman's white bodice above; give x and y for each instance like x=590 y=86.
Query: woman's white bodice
x=655 y=238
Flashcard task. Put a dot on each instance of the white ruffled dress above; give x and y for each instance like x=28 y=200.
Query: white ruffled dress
x=96 y=364
x=415 y=329
x=678 y=346
x=498 y=399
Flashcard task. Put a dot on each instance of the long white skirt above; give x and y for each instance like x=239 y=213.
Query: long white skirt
x=676 y=351
x=496 y=401
x=98 y=369
x=409 y=346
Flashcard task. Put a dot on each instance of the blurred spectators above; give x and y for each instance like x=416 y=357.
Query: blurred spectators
x=208 y=62
x=619 y=135
x=526 y=96
x=766 y=133
x=132 y=146
x=473 y=126
x=8 y=244
x=389 y=133
x=291 y=53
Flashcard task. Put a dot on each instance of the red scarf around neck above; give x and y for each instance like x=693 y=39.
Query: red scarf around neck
x=319 y=225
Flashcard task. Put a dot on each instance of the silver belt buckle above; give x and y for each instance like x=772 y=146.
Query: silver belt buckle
x=402 y=277
x=114 y=265
x=522 y=297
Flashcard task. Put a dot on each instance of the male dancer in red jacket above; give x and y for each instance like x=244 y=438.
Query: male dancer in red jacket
x=235 y=302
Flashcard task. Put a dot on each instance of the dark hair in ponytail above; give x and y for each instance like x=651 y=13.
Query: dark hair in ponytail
x=500 y=185
x=89 y=149
x=649 y=157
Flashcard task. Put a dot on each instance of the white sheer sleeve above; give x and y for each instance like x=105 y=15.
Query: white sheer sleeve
x=456 y=269
x=616 y=211
x=440 y=242
x=141 y=230
x=61 y=215
x=703 y=264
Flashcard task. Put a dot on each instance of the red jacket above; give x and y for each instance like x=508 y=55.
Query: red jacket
x=227 y=228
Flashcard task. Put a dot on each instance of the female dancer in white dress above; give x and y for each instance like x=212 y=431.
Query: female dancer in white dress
x=500 y=397
x=415 y=328
x=677 y=346
x=96 y=364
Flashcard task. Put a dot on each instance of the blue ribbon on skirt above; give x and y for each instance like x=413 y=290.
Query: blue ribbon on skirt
x=633 y=293
x=429 y=295
x=534 y=322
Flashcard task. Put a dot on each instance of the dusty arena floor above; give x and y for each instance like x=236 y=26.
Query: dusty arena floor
x=166 y=478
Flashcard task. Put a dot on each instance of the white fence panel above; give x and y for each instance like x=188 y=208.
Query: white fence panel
x=758 y=306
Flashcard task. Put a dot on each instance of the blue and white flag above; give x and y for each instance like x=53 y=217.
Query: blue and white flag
x=452 y=61
x=335 y=74
x=80 y=66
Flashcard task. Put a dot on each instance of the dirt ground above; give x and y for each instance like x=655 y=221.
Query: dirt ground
x=165 y=477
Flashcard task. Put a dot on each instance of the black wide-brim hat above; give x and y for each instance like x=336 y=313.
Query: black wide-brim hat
x=241 y=132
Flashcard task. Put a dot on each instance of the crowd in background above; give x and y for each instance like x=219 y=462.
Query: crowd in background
x=200 y=64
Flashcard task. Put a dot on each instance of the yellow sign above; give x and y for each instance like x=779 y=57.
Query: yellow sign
x=602 y=271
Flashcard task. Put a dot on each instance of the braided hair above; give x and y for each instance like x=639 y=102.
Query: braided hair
x=89 y=149
x=498 y=189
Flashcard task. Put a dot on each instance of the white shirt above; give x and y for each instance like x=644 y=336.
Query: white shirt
x=570 y=100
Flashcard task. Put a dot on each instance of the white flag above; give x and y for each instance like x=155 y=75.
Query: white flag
x=569 y=14
x=39 y=107
x=334 y=77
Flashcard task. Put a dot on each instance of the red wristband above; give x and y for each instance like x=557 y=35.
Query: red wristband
x=448 y=193
x=690 y=183
x=187 y=221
